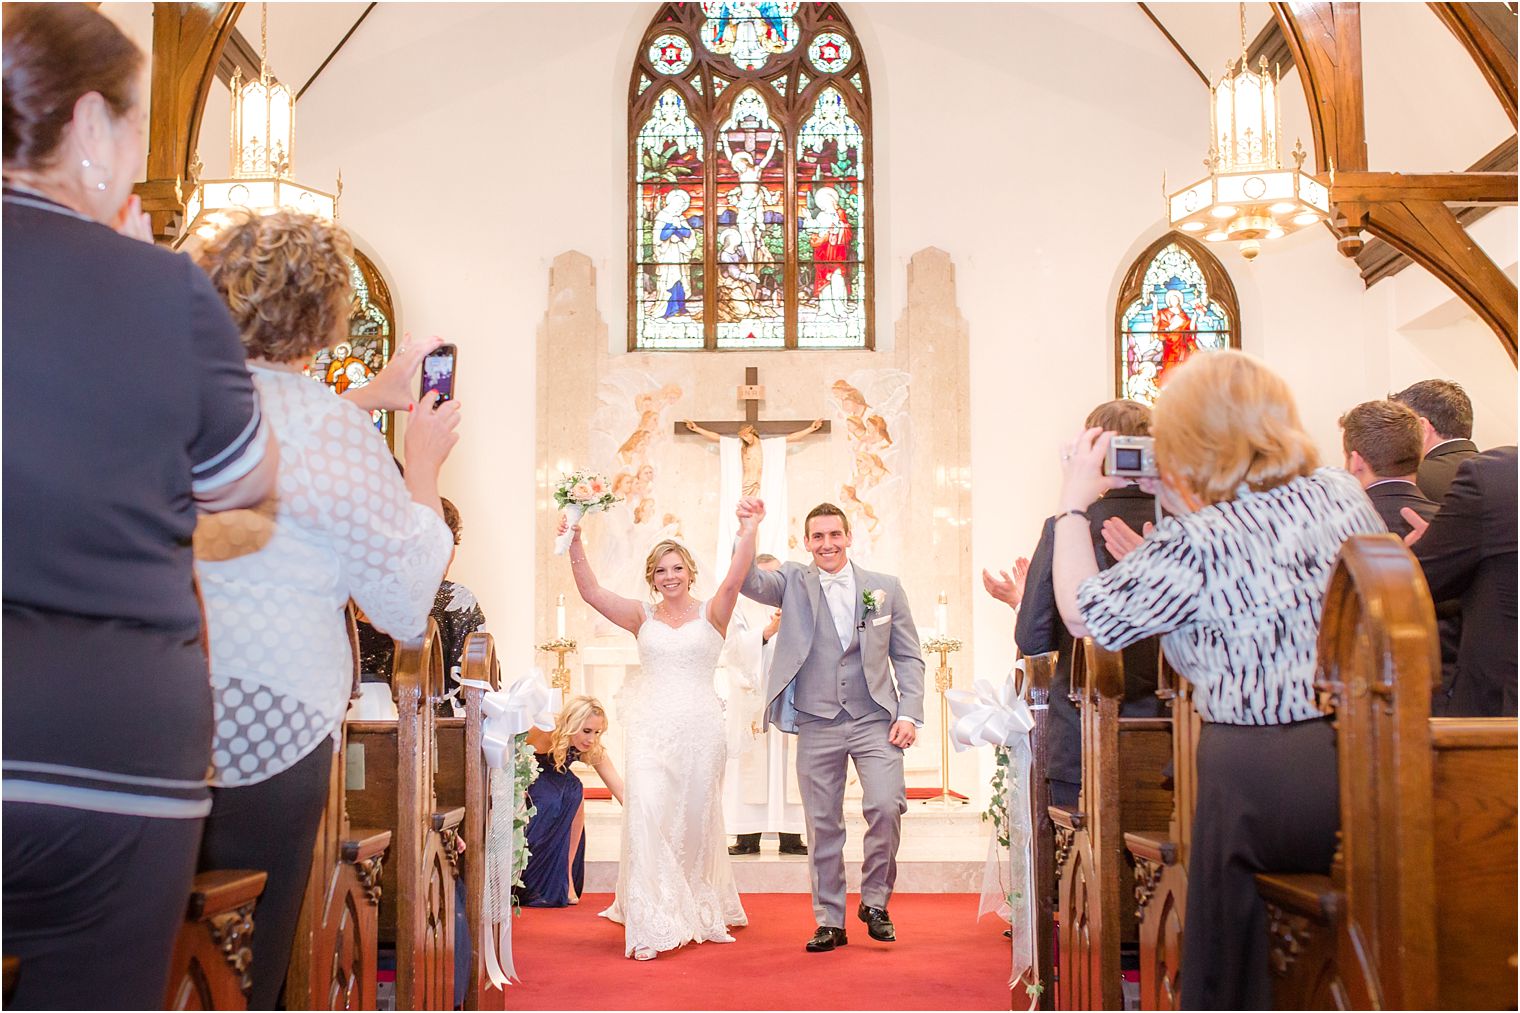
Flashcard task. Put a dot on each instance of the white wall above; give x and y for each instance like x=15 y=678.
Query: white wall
x=1029 y=141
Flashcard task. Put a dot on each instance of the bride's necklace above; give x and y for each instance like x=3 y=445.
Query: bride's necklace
x=682 y=619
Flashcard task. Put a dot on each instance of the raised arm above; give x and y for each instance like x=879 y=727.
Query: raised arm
x=706 y=434
x=805 y=432
x=624 y=612
x=764 y=586
x=722 y=606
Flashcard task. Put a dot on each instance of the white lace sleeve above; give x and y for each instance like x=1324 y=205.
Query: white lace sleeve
x=393 y=551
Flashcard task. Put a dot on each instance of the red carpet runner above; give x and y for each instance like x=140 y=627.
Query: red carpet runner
x=570 y=959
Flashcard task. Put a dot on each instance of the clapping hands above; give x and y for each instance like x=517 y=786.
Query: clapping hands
x=1120 y=539
x=1009 y=589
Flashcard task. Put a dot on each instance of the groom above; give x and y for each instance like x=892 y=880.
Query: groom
x=845 y=632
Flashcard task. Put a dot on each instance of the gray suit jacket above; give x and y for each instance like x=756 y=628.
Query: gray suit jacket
x=888 y=640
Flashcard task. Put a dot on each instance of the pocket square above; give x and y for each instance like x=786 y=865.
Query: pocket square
x=884 y=619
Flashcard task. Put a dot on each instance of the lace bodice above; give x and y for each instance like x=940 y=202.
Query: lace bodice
x=679 y=659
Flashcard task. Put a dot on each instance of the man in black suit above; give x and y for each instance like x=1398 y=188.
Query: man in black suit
x=1040 y=629
x=1382 y=443
x=1446 y=423
x=1468 y=550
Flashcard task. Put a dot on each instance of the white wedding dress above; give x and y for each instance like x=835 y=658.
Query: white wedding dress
x=675 y=885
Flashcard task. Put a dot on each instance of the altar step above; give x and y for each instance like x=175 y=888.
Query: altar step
x=943 y=850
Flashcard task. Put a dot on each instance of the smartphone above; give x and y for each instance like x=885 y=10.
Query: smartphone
x=438 y=372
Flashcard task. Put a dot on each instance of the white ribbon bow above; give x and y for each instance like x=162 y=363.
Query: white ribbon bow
x=527 y=703
x=999 y=715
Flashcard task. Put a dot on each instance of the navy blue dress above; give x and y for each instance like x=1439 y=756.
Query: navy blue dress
x=556 y=797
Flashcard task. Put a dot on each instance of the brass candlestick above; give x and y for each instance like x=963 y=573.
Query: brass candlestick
x=944 y=677
x=560 y=677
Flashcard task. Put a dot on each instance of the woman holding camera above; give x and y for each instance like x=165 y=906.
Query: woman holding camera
x=1235 y=582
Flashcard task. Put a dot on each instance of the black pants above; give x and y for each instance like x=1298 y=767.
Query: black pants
x=1268 y=801
x=92 y=904
x=271 y=826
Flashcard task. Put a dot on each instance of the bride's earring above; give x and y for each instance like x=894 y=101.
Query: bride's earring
x=87 y=165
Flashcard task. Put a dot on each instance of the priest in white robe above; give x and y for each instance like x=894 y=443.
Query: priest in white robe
x=760 y=793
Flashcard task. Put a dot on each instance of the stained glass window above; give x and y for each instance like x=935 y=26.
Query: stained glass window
x=1176 y=300
x=371 y=338
x=750 y=180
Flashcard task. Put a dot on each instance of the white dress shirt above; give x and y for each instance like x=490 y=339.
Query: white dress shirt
x=839 y=592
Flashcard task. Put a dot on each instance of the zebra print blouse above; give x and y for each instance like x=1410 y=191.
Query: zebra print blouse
x=1237 y=589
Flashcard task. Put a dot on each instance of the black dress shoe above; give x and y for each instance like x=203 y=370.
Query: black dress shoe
x=749 y=844
x=878 y=924
x=825 y=939
x=791 y=844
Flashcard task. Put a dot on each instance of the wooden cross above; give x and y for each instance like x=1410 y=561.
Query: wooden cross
x=752 y=393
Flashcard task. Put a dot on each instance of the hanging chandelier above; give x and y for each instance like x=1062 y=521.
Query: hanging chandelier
x=262 y=139
x=1248 y=195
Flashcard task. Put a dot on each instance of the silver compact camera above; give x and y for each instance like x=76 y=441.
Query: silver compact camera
x=1131 y=457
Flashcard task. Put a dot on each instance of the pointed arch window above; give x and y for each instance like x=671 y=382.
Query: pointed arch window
x=1175 y=300
x=371 y=339
x=750 y=180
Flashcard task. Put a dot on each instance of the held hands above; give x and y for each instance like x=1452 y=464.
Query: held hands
x=1082 y=478
x=902 y=734
x=750 y=511
x=1009 y=590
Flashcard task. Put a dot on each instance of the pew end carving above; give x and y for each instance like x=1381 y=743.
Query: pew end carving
x=1428 y=817
x=212 y=966
x=1039 y=671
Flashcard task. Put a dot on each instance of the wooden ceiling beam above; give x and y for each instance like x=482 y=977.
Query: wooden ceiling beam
x=1467 y=188
x=1326 y=42
x=188 y=39
x=1488 y=32
x=1378 y=260
x=1429 y=233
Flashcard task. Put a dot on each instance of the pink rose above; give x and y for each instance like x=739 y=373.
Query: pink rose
x=581 y=492
x=598 y=488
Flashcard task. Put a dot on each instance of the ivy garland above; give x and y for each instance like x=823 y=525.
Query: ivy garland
x=524 y=773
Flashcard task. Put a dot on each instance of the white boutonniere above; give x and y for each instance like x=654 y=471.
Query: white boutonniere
x=872 y=600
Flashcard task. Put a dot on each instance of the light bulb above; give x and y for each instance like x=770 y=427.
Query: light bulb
x=1222 y=211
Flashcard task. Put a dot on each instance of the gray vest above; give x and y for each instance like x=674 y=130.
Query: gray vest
x=830 y=679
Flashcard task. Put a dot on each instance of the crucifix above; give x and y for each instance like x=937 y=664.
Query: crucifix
x=750 y=429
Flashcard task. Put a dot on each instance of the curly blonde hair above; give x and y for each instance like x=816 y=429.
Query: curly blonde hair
x=1223 y=421
x=659 y=552
x=284 y=275
x=577 y=712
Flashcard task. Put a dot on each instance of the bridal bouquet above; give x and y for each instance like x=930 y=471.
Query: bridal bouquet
x=579 y=493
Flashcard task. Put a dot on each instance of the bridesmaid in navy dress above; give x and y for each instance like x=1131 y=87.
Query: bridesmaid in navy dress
x=556 y=838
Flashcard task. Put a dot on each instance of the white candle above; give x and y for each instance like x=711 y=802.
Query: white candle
x=942 y=616
x=559 y=618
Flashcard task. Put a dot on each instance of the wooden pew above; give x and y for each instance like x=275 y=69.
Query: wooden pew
x=334 y=956
x=392 y=766
x=1418 y=911
x=1039 y=670
x=1160 y=859
x=462 y=781
x=212 y=965
x=1122 y=760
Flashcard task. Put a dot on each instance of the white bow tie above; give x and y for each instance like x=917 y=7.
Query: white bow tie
x=831 y=579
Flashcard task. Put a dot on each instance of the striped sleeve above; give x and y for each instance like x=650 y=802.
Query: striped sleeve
x=1153 y=590
x=232 y=436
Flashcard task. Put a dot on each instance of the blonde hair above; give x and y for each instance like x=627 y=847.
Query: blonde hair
x=659 y=552
x=1222 y=420
x=284 y=277
x=571 y=720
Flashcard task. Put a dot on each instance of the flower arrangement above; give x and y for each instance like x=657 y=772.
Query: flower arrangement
x=872 y=600
x=580 y=493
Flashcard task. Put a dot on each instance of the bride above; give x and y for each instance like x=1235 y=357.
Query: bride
x=674 y=881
